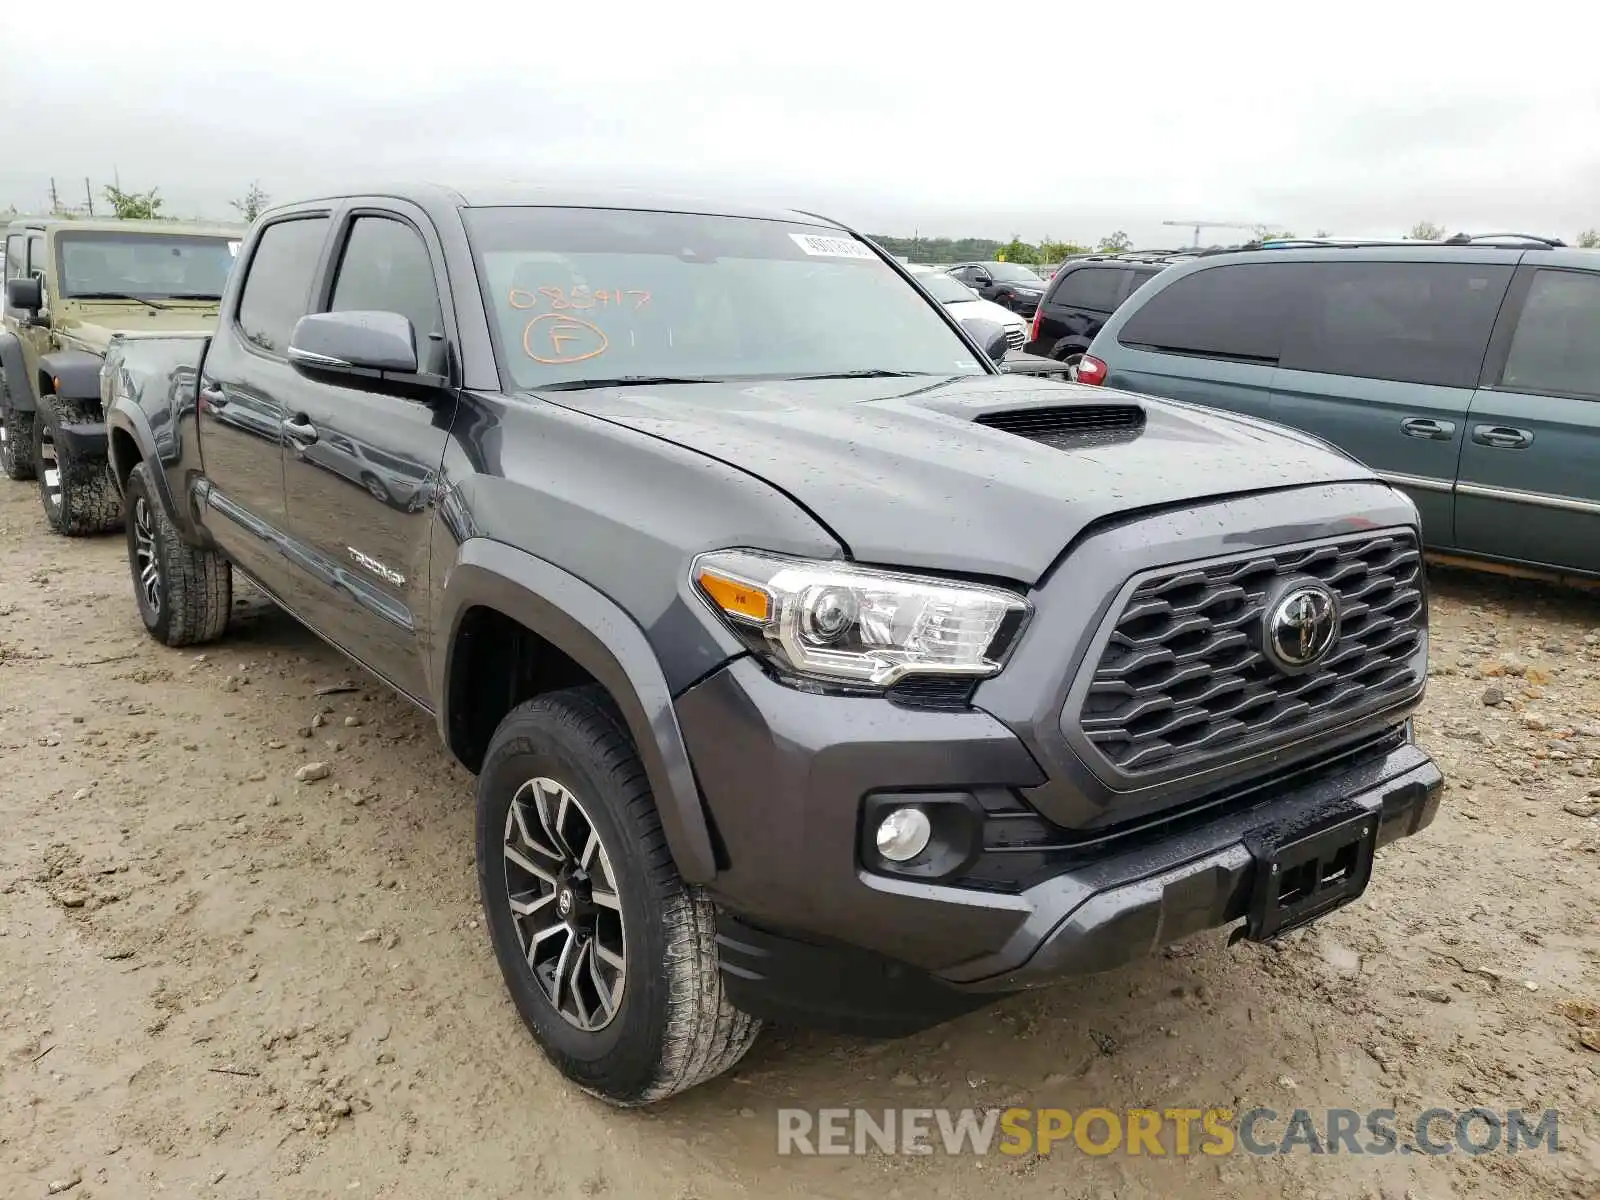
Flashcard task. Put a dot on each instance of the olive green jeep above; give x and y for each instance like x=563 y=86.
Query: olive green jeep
x=70 y=287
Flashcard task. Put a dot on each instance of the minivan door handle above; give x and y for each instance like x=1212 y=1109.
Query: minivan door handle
x=301 y=431
x=1429 y=429
x=1502 y=437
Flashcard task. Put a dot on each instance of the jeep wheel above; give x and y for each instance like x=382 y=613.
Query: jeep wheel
x=610 y=959
x=184 y=593
x=16 y=441
x=78 y=494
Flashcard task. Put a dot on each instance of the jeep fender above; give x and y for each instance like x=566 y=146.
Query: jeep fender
x=19 y=388
x=76 y=374
x=602 y=639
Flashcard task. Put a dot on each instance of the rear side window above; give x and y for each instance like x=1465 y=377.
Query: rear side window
x=1426 y=322
x=1093 y=288
x=1556 y=349
x=277 y=292
x=1232 y=312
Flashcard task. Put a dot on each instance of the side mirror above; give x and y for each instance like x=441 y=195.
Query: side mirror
x=354 y=343
x=996 y=348
x=982 y=280
x=25 y=294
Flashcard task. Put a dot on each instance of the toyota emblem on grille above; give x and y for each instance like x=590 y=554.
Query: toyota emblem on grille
x=1302 y=625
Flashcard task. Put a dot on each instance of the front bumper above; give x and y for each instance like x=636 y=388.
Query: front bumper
x=809 y=935
x=82 y=441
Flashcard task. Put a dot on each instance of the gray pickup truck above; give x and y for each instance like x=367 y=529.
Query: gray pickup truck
x=812 y=669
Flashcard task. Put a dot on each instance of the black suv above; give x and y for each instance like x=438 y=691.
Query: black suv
x=811 y=668
x=1010 y=285
x=1084 y=292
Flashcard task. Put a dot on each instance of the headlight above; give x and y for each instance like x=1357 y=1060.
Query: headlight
x=850 y=624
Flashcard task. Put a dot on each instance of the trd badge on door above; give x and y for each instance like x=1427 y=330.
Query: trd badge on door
x=377 y=568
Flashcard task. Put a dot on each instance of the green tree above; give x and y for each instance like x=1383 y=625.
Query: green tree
x=1589 y=239
x=1427 y=231
x=134 y=206
x=1018 y=251
x=1053 y=252
x=249 y=205
x=1116 y=243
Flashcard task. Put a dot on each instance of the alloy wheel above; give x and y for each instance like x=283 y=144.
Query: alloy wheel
x=144 y=556
x=565 y=904
x=49 y=469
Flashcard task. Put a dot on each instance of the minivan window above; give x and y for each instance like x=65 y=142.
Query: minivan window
x=1556 y=349
x=1410 y=322
x=581 y=294
x=1219 y=312
x=1094 y=288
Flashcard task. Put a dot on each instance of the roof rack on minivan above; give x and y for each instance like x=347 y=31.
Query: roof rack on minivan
x=1466 y=239
x=1457 y=240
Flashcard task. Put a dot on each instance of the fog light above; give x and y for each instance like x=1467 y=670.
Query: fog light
x=904 y=834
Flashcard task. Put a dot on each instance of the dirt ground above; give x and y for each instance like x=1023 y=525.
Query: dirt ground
x=216 y=981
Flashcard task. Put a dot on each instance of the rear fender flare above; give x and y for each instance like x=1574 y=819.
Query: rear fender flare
x=19 y=388
x=132 y=422
x=603 y=639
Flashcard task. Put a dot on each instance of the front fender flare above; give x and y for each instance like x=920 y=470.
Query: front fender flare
x=600 y=637
x=76 y=373
x=19 y=388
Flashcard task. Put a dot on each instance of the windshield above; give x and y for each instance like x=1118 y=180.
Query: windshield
x=595 y=294
x=946 y=289
x=146 y=266
x=1012 y=273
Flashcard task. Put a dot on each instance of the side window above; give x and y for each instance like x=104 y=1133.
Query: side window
x=1094 y=288
x=1411 y=322
x=277 y=291
x=35 y=253
x=1221 y=312
x=14 y=256
x=1556 y=348
x=385 y=267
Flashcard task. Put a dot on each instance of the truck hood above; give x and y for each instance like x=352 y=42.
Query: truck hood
x=901 y=472
x=95 y=328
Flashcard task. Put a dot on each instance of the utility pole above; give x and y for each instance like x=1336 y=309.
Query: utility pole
x=1197 y=226
x=88 y=194
x=55 y=200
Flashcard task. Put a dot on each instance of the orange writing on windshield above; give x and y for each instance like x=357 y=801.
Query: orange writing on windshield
x=556 y=339
x=580 y=297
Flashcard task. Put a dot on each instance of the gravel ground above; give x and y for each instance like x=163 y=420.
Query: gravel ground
x=216 y=980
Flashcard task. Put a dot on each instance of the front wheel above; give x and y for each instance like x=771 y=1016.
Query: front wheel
x=610 y=958
x=184 y=592
x=78 y=494
x=16 y=441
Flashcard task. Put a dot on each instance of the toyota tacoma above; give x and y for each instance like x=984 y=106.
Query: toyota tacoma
x=812 y=669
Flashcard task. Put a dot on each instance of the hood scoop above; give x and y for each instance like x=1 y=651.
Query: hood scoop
x=1071 y=427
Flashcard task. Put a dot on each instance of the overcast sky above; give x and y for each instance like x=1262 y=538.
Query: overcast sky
x=1066 y=120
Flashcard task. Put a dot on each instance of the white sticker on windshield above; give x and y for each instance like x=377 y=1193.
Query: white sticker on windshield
x=831 y=247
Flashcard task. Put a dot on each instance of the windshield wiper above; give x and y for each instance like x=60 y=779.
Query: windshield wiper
x=866 y=373
x=193 y=296
x=575 y=385
x=119 y=296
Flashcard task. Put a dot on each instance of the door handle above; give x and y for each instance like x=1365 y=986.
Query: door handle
x=300 y=430
x=1502 y=437
x=1428 y=429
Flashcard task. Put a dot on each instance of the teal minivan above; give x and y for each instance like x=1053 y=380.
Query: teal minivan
x=1465 y=372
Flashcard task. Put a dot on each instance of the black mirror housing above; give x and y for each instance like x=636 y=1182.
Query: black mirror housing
x=366 y=343
x=26 y=295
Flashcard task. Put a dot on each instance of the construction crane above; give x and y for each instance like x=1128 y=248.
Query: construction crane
x=1197 y=226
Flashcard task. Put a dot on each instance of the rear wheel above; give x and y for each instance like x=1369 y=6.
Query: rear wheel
x=184 y=592
x=1070 y=360
x=610 y=958
x=77 y=492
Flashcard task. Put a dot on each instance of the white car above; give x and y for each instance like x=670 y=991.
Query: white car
x=965 y=304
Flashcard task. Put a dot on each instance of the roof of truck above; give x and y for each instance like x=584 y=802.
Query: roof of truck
x=113 y=225
x=524 y=195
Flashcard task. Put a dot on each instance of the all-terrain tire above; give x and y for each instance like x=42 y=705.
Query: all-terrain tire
x=187 y=599
x=674 y=1026
x=16 y=441
x=78 y=494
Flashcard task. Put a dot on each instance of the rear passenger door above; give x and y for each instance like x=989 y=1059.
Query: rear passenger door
x=1529 y=483
x=1381 y=358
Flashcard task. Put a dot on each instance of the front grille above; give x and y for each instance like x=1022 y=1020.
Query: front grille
x=1183 y=681
x=1015 y=338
